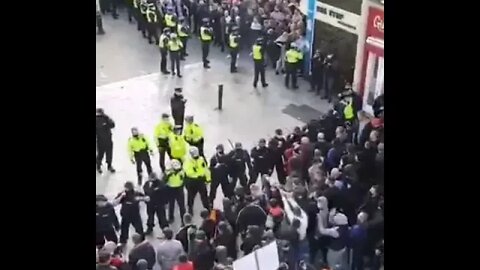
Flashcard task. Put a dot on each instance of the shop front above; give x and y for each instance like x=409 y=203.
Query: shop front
x=369 y=68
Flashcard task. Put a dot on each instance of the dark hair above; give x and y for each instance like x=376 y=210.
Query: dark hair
x=183 y=258
x=204 y=213
x=168 y=233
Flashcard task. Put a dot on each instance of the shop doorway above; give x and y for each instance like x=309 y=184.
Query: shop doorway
x=374 y=80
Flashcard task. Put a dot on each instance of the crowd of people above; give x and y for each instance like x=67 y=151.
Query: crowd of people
x=279 y=25
x=324 y=205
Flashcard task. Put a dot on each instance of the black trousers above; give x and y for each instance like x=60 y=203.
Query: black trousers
x=104 y=6
x=104 y=149
x=233 y=59
x=162 y=151
x=195 y=186
x=141 y=23
x=163 y=60
x=158 y=210
x=109 y=235
x=199 y=145
x=135 y=221
x=259 y=70
x=281 y=175
x=291 y=71
x=205 y=51
x=130 y=10
x=114 y=5
x=255 y=173
x=178 y=118
x=176 y=194
x=316 y=81
x=242 y=176
x=142 y=157
x=217 y=181
x=175 y=61
x=152 y=32
x=183 y=50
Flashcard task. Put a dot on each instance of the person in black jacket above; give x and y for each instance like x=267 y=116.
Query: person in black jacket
x=104 y=126
x=130 y=211
x=177 y=104
x=261 y=163
x=276 y=148
x=155 y=189
x=106 y=222
x=316 y=76
x=251 y=214
x=238 y=158
x=219 y=169
x=202 y=252
x=142 y=250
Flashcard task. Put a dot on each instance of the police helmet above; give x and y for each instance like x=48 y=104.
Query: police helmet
x=259 y=41
x=189 y=118
x=235 y=28
x=293 y=45
x=101 y=198
x=166 y=30
x=173 y=35
x=165 y=115
x=175 y=164
x=177 y=127
x=194 y=151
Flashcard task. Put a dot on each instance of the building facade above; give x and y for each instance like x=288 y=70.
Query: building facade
x=369 y=61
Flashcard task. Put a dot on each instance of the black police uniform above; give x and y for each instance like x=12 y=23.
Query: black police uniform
x=238 y=158
x=156 y=190
x=261 y=162
x=104 y=125
x=276 y=150
x=130 y=213
x=316 y=79
x=177 y=104
x=219 y=169
x=106 y=224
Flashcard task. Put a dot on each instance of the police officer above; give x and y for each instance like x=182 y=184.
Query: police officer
x=258 y=53
x=129 y=200
x=316 y=72
x=174 y=47
x=292 y=59
x=163 y=45
x=130 y=5
x=152 y=19
x=177 y=144
x=206 y=36
x=233 y=42
x=161 y=134
x=106 y=222
x=183 y=33
x=143 y=7
x=104 y=125
x=177 y=104
x=170 y=19
x=156 y=190
x=219 y=169
x=194 y=134
x=197 y=175
x=114 y=5
x=174 y=178
x=139 y=150
x=261 y=163
x=239 y=157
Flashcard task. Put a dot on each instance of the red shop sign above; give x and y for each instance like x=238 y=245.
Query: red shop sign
x=375 y=23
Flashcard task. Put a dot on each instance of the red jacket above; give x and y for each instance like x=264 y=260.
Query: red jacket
x=184 y=266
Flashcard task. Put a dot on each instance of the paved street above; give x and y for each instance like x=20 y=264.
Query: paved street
x=133 y=93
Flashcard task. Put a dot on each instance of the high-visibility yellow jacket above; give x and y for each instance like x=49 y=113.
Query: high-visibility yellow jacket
x=197 y=168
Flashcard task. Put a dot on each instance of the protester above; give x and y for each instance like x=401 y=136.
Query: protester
x=142 y=250
x=169 y=251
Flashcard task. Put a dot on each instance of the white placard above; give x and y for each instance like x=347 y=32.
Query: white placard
x=245 y=263
x=267 y=257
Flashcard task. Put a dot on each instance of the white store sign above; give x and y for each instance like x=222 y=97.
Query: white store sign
x=334 y=16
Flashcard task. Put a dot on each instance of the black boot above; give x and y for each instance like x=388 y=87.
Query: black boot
x=190 y=210
x=149 y=231
x=139 y=181
x=111 y=169
x=99 y=169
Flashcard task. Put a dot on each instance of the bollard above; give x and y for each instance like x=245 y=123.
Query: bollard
x=220 y=96
x=100 y=24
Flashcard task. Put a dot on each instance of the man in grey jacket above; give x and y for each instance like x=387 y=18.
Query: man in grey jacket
x=169 y=251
